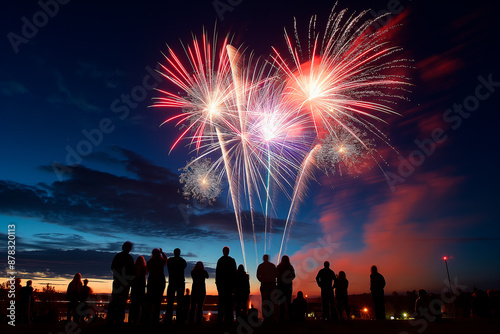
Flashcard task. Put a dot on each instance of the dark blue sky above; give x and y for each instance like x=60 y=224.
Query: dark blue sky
x=89 y=65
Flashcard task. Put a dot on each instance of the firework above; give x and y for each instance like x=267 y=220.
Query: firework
x=201 y=180
x=268 y=124
x=343 y=151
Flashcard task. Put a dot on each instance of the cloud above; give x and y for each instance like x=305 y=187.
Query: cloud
x=106 y=204
x=403 y=234
x=57 y=263
x=11 y=88
x=65 y=96
x=146 y=203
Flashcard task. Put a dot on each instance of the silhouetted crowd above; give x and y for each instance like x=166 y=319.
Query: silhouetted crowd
x=145 y=283
x=233 y=288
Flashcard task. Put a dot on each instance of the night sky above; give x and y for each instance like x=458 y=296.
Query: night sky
x=85 y=164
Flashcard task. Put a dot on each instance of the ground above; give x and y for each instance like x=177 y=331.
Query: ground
x=465 y=326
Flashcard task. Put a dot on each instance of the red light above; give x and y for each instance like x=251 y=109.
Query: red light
x=445 y=258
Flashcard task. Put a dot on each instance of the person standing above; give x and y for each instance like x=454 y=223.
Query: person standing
x=156 y=284
x=325 y=280
x=198 y=293
x=123 y=274
x=377 y=285
x=285 y=276
x=26 y=300
x=242 y=291
x=266 y=274
x=341 y=284
x=138 y=290
x=176 y=286
x=299 y=306
x=85 y=294
x=73 y=295
x=225 y=274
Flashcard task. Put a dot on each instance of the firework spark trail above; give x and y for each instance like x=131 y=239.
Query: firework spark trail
x=234 y=198
x=296 y=198
x=234 y=60
x=267 y=198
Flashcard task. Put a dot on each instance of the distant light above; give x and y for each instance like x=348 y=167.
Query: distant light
x=342 y=149
x=392 y=318
x=209 y=313
x=405 y=315
x=445 y=258
x=365 y=310
x=306 y=296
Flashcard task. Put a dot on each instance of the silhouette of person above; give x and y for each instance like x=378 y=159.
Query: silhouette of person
x=480 y=304
x=421 y=304
x=225 y=277
x=325 y=280
x=341 y=284
x=494 y=296
x=377 y=285
x=187 y=304
x=85 y=294
x=242 y=291
x=123 y=274
x=176 y=286
x=266 y=274
x=299 y=306
x=138 y=291
x=25 y=302
x=86 y=291
x=285 y=276
x=73 y=295
x=198 y=293
x=156 y=284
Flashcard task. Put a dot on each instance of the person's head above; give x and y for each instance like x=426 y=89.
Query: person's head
x=285 y=260
x=177 y=252
x=422 y=293
x=155 y=253
x=29 y=283
x=374 y=270
x=187 y=291
x=77 y=277
x=225 y=251
x=85 y=282
x=199 y=266
x=140 y=261
x=127 y=246
x=241 y=269
x=341 y=274
x=300 y=294
x=326 y=264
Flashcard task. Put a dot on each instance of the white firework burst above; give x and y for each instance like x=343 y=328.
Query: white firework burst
x=201 y=180
x=345 y=149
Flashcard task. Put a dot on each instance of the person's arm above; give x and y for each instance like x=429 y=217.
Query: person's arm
x=217 y=272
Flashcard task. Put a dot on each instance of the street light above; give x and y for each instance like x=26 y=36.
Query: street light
x=445 y=258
